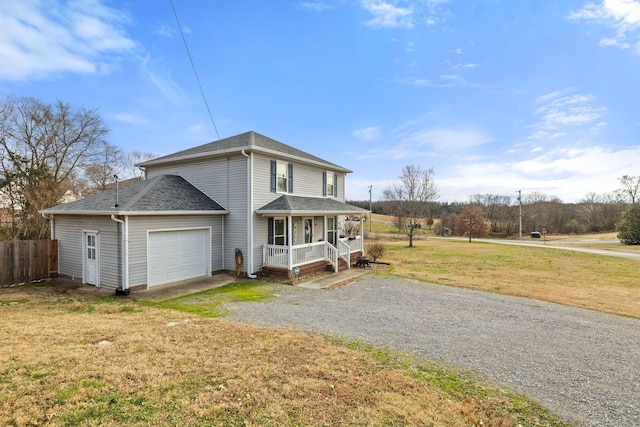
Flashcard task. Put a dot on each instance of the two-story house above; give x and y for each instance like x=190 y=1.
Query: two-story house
x=246 y=204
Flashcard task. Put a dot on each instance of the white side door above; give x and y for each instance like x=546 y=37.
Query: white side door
x=91 y=258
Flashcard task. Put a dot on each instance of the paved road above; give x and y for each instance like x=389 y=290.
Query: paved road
x=634 y=255
x=581 y=364
x=555 y=245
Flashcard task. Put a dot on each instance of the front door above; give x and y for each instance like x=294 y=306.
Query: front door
x=91 y=258
x=308 y=230
x=331 y=230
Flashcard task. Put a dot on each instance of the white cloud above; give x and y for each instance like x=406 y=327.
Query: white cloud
x=39 y=39
x=387 y=15
x=161 y=79
x=414 y=81
x=368 y=134
x=621 y=15
x=315 y=6
x=451 y=140
x=168 y=31
x=414 y=141
x=560 y=110
x=197 y=128
x=405 y=13
x=130 y=118
x=566 y=173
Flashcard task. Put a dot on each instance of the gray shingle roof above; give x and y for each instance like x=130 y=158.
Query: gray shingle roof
x=287 y=204
x=164 y=193
x=250 y=141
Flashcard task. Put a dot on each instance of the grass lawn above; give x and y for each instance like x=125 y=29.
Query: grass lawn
x=69 y=359
x=607 y=284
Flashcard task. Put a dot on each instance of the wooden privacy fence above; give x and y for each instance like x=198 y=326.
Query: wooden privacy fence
x=23 y=261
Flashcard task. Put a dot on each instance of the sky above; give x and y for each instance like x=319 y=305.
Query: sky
x=495 y=95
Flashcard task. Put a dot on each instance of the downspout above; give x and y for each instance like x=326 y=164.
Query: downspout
x=250 y=215
x=125 y=255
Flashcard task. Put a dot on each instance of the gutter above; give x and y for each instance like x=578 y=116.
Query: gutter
x=249 y=215
x=124 y=289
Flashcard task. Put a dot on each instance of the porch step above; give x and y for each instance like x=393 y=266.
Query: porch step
x=342 y=265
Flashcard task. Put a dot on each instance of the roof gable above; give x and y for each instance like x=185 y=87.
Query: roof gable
x=248 y=141
x=164 y=193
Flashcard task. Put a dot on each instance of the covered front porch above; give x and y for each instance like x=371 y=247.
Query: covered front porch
x=308 y=235
x=290 y=257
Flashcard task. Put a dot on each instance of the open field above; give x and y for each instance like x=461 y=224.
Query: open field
x=607 y=284
x=71 y=359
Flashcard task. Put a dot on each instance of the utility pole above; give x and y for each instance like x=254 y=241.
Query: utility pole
x=520 y=202
x=370 y=217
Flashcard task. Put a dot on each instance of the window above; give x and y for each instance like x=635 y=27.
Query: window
x=281 y=177
x=277 y=231
x=91 y=246
x=329 y=184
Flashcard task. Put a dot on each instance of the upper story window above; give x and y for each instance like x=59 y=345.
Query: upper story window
x=281 y=177
x=329 y=184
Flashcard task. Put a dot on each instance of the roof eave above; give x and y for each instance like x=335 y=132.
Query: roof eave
x=135 y=213
x=275 y=212
x=206 y=154
x=239 y=150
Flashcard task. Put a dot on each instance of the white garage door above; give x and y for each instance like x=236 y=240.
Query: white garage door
x=177 y=255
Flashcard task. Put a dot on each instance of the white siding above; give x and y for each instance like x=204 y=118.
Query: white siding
x=225 y=181
x=68 y=232
x=307 y=182
x=139 y=225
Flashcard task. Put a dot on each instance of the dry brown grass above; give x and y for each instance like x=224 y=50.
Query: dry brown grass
x=70 y=359
x=602 y=283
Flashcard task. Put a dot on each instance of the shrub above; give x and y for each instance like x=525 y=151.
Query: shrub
x=376 y=250
x=629 y=226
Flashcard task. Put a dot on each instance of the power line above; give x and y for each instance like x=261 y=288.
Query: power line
x=194 y=68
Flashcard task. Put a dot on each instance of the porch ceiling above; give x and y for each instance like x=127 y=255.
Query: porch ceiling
x=299 y=205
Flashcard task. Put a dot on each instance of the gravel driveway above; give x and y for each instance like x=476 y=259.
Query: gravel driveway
x=581 y=364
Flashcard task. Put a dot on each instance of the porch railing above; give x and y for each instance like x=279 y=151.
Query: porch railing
x=344 y=252
x=355 y=243
x=332 y=256
x=308 y=253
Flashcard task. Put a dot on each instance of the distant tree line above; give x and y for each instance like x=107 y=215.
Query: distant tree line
x=593 y=213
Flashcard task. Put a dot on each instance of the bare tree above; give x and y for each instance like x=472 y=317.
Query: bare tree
x=498 y=211
x=410 y=199
x=472 y=223
x=109 y=161
x=41 y=147
x=630 y=186
x=135 y=157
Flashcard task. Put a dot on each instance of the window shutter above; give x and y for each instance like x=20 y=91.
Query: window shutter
x=324 y=184
x=273 y=176
x=290 y=173
x=270 y=238
x=335 y=185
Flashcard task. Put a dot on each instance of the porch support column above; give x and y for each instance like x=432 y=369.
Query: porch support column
x=324 y=237
x=362 y=234
x=290 y=242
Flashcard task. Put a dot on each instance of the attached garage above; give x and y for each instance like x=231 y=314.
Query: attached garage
x=175 y=255
x=151 y=233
